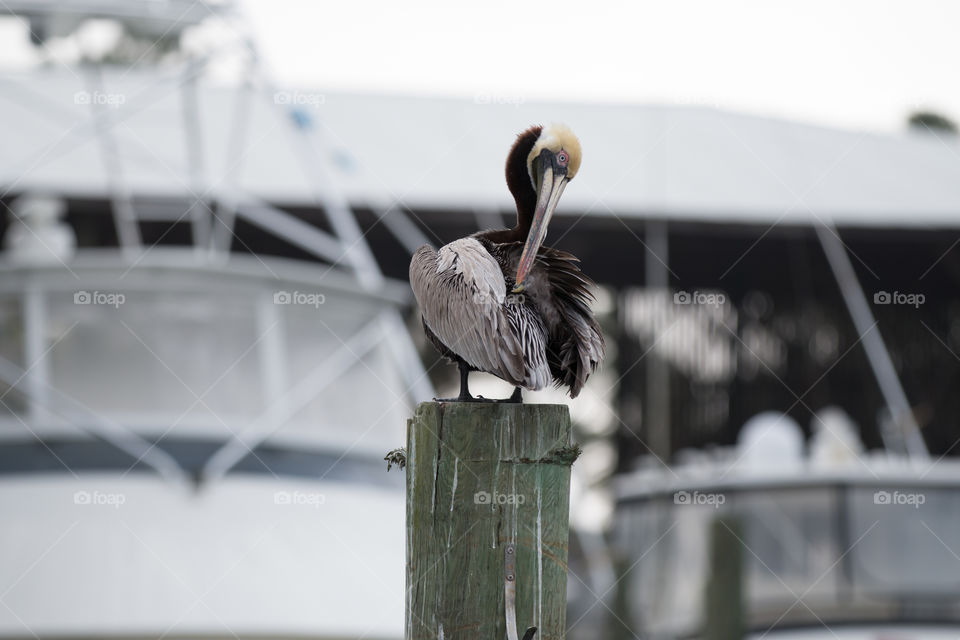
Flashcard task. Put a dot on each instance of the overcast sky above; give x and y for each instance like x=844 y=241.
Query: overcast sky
x=861 y=64
x=853 y=64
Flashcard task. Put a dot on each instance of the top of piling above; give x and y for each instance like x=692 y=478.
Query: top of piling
x=511 y=432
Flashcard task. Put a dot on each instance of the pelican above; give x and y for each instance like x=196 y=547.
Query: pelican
x=498 y=301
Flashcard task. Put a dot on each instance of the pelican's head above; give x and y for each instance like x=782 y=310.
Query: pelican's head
x=557 y=147
x=553 y=162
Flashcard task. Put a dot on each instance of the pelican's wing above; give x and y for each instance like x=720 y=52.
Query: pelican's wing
x=463 y=298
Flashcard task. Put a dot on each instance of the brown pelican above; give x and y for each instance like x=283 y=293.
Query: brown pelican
x=498 y=301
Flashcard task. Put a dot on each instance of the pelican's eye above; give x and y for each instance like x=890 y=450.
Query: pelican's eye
x=563 y=158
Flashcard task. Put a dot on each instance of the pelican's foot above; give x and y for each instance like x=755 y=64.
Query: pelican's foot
x=515 y=398
x=466 y=399
x=464 y=387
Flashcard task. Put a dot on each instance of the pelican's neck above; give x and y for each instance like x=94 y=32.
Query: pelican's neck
x=518 y=181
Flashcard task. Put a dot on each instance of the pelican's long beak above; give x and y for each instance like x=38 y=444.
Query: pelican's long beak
x=550 y=186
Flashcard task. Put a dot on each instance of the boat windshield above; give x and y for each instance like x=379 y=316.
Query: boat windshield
x=197 y=355
x=811 y=555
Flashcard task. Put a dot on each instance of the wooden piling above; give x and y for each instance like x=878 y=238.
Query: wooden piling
x=724 y=602
x=480 y=477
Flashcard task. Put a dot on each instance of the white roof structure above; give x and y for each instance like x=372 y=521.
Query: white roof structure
x=690 y=163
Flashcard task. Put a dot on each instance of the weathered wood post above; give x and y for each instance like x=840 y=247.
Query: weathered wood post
x=480 y=478
x=724 y=602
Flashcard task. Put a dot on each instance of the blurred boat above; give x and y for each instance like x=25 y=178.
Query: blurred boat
x=184 y=449
x=866 y=548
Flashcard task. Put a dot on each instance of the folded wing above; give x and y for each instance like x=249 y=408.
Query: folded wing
x=464 y=301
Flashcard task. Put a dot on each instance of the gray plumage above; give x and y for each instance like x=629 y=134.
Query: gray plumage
x=547 y=332
x=464 y=300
